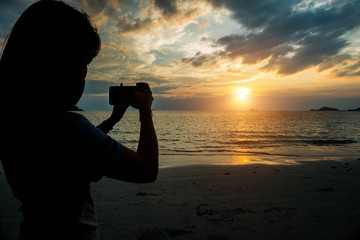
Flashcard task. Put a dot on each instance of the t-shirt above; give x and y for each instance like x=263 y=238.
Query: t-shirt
x=49 y=166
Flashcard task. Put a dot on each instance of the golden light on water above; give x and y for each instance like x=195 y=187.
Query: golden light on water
x=253 y=159
x=241 y=160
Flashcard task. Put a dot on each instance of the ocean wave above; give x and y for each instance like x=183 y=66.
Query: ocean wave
x=263 y=147
x=287 y=142
x=220 y=152
x=330 y=142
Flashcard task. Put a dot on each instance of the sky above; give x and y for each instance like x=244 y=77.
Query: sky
x=230 y=55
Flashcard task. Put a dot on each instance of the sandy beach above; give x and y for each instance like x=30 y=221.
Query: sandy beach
x=312 y=200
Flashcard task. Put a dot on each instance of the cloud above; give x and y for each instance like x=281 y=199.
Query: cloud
x=107 y=7
x=161 y=15
x=350 y=70
x=95 y=6
x=136 y=16
x=127 y=24
x=201 y=60
x=313 y=50
x=143 y=27
x=334 y=61
x=288 y=35
x=180 y=11
x=168 y=7
x=203 y=24
x=150 y=28
x=255 y=14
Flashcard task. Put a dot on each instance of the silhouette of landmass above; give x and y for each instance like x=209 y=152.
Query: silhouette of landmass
x=325 y=109
x=333 y=109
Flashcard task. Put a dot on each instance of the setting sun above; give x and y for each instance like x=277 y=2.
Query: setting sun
x=242 y=93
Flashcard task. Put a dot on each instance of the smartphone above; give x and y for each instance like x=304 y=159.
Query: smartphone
x=121 y=95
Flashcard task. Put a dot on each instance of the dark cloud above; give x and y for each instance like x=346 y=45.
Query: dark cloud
x=199 y=60
x=314 y=50
x=293 y=38
x=168 y=7
x=178 y=10
x=127 y=24
x=96 y=5
x=256 y=13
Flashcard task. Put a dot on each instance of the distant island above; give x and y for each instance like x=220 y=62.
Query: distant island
x=333 y=109
x=325 y=109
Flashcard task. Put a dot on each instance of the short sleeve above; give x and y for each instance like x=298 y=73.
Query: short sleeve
x=99 y=152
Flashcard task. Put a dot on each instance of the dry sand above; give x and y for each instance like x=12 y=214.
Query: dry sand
x=313 y=200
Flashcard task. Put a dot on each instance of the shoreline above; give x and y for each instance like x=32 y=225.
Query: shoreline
x=250 y=158
x=312 y=200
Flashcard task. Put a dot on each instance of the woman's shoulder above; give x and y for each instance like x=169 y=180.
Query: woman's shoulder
x=79 y=124
x=78 y=121
x=74 y=116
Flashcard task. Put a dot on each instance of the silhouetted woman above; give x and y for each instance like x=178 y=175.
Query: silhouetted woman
x=50 y=155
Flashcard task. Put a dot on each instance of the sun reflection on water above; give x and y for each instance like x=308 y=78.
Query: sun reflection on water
x=241 y=160
x=247 y=159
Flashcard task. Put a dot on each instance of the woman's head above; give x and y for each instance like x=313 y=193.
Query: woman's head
x=46 y=52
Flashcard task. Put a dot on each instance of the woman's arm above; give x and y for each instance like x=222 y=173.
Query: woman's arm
x=117 y=113
x=140 y=166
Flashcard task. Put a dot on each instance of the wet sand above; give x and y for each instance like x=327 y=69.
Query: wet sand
x=313 y=200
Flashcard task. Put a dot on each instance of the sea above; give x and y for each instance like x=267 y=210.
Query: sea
x=235 y=138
